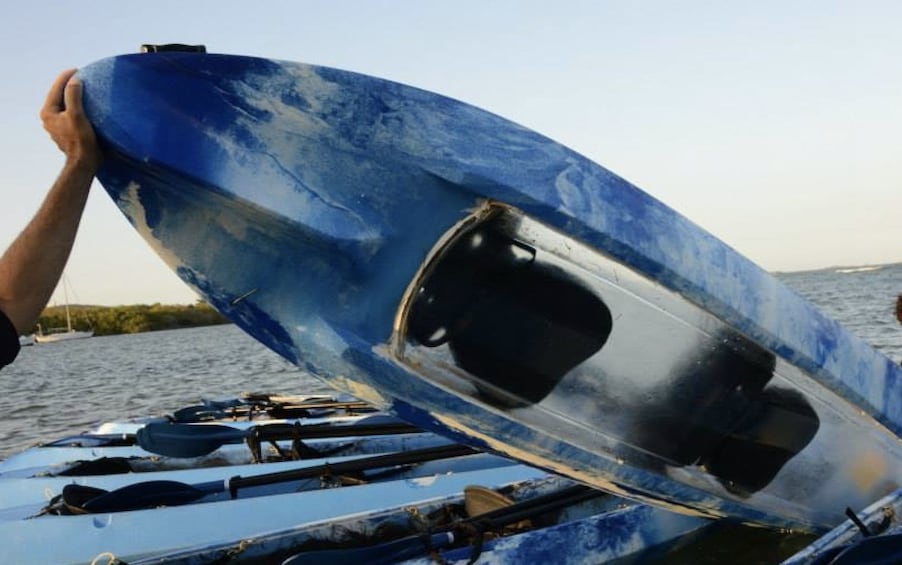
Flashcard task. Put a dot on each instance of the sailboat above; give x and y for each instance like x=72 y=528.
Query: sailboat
x=54 y=335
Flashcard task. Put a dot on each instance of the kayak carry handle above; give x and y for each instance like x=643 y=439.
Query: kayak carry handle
x=172 y=47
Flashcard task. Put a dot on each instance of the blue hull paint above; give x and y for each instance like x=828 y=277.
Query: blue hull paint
x=303 y=202
x=881 y=518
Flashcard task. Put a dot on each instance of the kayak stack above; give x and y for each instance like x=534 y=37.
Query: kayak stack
x=302 y=480
x=322 y=479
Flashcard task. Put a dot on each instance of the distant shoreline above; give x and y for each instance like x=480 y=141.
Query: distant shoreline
x=138 y=318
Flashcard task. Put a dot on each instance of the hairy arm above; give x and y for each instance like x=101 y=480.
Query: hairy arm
x=32 y=265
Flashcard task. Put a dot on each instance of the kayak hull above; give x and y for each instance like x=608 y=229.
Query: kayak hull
x=339 y=219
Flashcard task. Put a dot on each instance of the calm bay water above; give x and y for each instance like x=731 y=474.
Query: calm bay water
x=64 y=388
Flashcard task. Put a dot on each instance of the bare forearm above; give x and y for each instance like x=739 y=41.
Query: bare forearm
x=31 y=267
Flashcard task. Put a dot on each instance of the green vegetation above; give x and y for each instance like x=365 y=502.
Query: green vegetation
x=111 y=320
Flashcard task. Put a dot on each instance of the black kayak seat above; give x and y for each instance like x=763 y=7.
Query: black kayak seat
x=515 y=324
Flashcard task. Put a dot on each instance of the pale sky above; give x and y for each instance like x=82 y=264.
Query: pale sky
x=775 y=125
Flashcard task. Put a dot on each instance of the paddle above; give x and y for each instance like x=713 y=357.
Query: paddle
x=413 y=546
x=94 y=440
x=186 y=440
x=206 y=412
x=150 y=494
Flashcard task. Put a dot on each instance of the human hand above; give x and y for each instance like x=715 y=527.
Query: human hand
x=64 y=119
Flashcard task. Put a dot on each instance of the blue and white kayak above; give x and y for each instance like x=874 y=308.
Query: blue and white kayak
x=873 y=535
x=142 y=533
x=24 y=498
x=55 y=461
x=127 y=428
x=594 y=529
x=482 y=281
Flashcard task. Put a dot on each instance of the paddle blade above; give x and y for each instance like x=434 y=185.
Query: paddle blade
x=150 y=494
x=185 y=440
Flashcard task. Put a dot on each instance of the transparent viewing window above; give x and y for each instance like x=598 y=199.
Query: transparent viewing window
x=511 y=320
x=517 y=316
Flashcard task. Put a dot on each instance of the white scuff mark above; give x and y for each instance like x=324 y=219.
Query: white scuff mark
x=129 y=200
x=243 y=296
x=360 y=391
x=278 y=152
x=422 y=482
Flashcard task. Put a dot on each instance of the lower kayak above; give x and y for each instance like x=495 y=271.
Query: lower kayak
x=59 y=460
x=211 y=443
x=873 y=535
x=143 y=533
x=379 y=521
x=549 y=519
x=24 y=498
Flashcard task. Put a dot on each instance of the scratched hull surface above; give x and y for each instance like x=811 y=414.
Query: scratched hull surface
x=485 y=282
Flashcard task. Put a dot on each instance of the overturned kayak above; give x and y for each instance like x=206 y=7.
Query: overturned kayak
x=484 y=282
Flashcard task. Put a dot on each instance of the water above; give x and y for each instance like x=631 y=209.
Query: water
x=65 y=388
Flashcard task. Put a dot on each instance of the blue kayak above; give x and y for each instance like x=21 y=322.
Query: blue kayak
x=569 y=529
x=138 y=534
x=484 y=282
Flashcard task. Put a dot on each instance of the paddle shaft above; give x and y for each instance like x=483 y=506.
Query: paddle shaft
x=190 y=440
x=341 y=468
x=202 y=413
x=331 y=431
x=151 y=494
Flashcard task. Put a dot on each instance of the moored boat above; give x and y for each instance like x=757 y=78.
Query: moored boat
x=55 y=335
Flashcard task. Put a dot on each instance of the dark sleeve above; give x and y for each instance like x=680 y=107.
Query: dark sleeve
x=9 y=341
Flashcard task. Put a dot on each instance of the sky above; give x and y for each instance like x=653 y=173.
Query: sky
x=776 y=126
